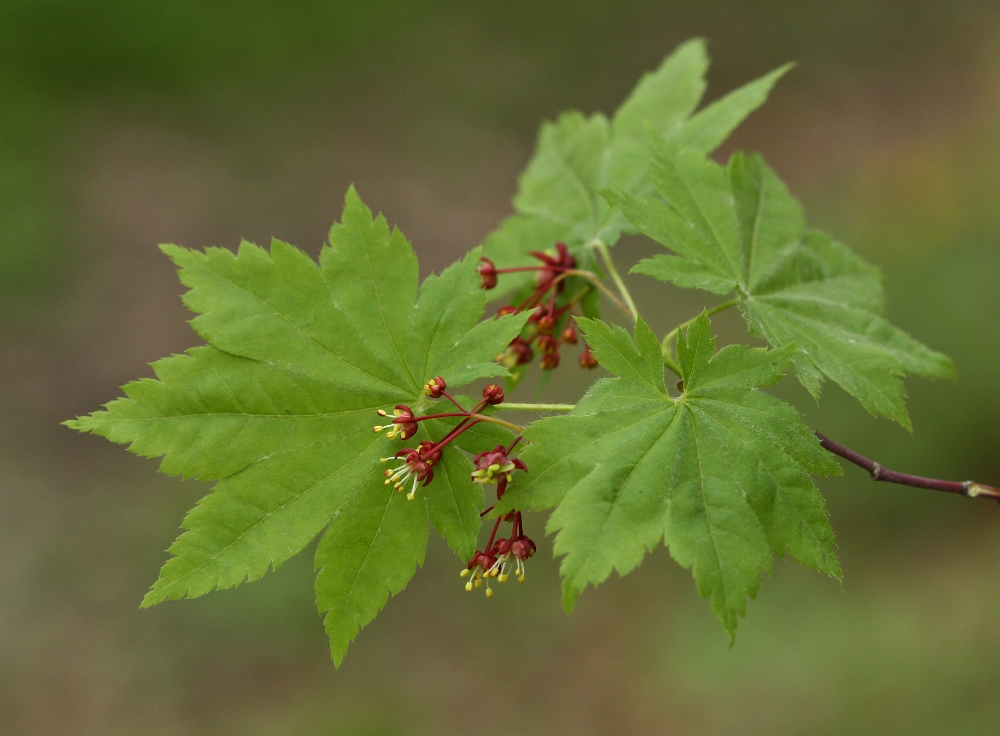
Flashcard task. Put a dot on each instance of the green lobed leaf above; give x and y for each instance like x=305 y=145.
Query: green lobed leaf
x=737 y=228
x=575 y=156
x=279 y=408
x=721 y=473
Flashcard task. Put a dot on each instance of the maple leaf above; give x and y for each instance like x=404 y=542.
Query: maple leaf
x=737 y=228
x=557 y=199
x=721 y=473
x=279 y=408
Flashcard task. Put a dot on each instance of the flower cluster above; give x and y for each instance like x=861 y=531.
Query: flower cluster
x=499 y=555
x=548 y=310
x=415 y=465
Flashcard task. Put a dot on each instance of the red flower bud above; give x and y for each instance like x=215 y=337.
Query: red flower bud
x=547 y=344
x=568 y=335
x=504 y=311
x=488 y=273
x=435 y=387
x=493 y=394
x=587 y=359
x=550 y=361
x=546 y=322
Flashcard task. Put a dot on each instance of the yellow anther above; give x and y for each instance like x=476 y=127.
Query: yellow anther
x=464 y=573
x=382 y=413
x=489 y=593
x=377 y=429
x=468 y=586
x=410 y=495
x=502 y=578
x=479 y=582
x=520 y=578
x=494 y=572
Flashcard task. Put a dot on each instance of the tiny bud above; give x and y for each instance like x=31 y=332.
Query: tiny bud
x=493 y=394
x=546 y=323
x=504 y=311
x=550 y=361
x=488 y=273
x=568 y=335
x=587 y=359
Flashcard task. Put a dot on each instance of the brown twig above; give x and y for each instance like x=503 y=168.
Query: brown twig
x=967 y=488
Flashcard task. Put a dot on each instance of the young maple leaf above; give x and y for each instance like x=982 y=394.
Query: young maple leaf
x=738 y=229
x=279 y=406
x=721 y=473
x=557 y=198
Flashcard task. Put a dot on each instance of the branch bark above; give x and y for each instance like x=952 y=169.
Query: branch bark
x=967 y=488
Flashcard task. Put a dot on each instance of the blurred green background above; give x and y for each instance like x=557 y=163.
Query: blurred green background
x=123 y=125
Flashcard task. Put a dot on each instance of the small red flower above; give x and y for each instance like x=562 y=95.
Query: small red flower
x=482 y=566
x=550 y=361
x=587 y=359
x=402 y=424
x=492 y=465
x=508 y=309
x=569 y=335
x=414 y=467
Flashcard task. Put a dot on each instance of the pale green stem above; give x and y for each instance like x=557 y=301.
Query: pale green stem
x=601 y=247
x=494 y=420
x=537 y=407
x=592 y=278
x=665 y=345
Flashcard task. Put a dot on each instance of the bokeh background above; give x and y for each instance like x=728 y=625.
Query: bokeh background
x=123 y=125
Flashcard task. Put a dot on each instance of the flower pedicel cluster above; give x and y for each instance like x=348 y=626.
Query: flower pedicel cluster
x=550 y=282
x=416 y=466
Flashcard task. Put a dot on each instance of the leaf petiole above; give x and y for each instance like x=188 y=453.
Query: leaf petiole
x=537 y=407
x=601 y=247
